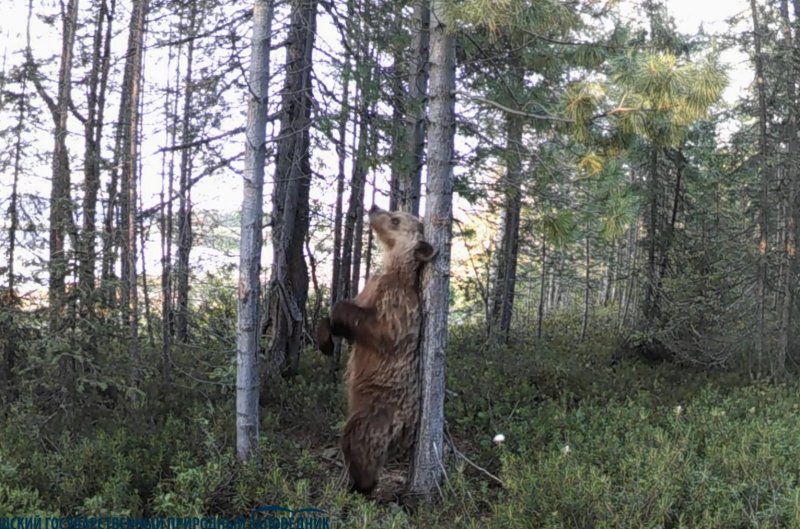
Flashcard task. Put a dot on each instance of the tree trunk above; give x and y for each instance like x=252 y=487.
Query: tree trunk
x=540 y=315
x=633 y=271
x=185 y=190
x=289 y=285
x=763 y=216
x=61 y=221
x=354 y=224
x=341 y=153
x=398 y=131
x=790 y=254
x=408 y=186
x=427 y=463
x=129 y=153
x=610 y=276
x=250 y=243
x=93 y=135
x=370 y=240
x=9 y=299
x=651 y=304
x=171 y=103
x=346 y=261
x=367 y=136
x=13 y=206
x=507 y=270
x=111 y=231
x=586 y=291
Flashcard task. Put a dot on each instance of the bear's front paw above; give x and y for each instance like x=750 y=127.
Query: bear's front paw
x=324 y=339
x=344 y=318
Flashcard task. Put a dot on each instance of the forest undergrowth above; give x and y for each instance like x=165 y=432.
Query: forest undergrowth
x=593 y=437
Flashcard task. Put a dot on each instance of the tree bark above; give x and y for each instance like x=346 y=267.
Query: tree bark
x=185 y=189
x=651 y=304
x=354 y=223
x=791 y=177
x=289 y=285
x=586 y=290
x=341 y=153
x=506 y=275
x=398 y=131
x=9 y=299
x=250 y=243
x=408 y=186
x=93 y=135
x=129 y=154
x=171 y=103
x=61 y=221
x=763 y=210
x=540 y=315
x=427 y=463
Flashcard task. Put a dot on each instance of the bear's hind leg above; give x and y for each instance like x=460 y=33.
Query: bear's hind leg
x=365 y=441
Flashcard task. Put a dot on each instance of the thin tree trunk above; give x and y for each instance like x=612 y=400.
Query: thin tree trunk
x=129 y=138
x=93 y=135
x=60 y=200
x=763 y=216
x=398 y=131
x=360 y=168
x=427 y=465
x=587 y=290
x=341 y=152
x=651 y=304
x=345 y=264
x=540 y=315
x=8 y=354
x=370 y=241
x=110 y=231
x=168 y=176
x=610 y=279
x=633 y=274
x=409 y=186
x=250 y=243
x=185 y=190
x=790 y=255
x=142 y=253
x=507 y=275
x=13 y=206
x=312 y=265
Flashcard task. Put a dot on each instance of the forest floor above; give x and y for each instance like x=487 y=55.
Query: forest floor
x=593 y=438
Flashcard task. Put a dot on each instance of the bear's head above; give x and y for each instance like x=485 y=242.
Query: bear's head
x=401 y=235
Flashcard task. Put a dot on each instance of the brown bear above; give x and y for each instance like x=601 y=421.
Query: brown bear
x=383 y=323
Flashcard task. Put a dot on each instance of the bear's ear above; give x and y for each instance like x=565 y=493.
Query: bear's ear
x=424 y=252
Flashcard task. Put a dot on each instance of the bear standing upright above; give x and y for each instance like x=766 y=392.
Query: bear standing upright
x=383 y=322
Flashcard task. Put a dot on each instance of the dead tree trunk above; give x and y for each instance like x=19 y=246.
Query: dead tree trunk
x=250 y=244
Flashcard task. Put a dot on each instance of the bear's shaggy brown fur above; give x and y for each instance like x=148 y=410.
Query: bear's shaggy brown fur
x=383 y=322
